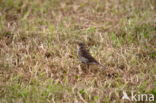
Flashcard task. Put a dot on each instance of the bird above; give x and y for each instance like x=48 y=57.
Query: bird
x=85 y=57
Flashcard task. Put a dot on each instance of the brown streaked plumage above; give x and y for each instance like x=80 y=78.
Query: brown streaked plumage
x=85 y=57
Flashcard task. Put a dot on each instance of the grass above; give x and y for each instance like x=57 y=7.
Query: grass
x=38 y=60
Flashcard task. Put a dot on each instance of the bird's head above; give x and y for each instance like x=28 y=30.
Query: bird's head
x=80 y=44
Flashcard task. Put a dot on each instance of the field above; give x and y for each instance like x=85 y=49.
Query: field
x=38 y=50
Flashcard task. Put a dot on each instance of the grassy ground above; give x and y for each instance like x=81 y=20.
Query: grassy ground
x=38 y=60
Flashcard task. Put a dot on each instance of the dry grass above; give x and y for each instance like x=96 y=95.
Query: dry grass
x=38 y=61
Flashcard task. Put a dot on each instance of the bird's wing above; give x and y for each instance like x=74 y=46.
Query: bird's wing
x=87 y=55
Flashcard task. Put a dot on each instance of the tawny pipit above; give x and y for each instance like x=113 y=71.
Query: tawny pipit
x=85 y=57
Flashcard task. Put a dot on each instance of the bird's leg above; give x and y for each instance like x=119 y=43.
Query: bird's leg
x=84 y=68
x=88 y=69
x=87 y=66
